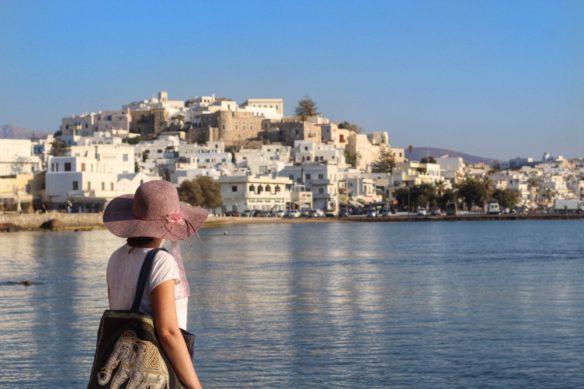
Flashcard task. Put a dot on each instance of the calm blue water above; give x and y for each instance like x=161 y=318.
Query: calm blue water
x=436 y=304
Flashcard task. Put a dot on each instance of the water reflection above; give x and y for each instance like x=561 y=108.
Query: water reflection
x=322 y=305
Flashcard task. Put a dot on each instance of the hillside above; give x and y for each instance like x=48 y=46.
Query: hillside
x=9 y=131
x=421 y=152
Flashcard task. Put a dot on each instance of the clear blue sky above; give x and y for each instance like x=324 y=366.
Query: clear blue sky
x=492 y=78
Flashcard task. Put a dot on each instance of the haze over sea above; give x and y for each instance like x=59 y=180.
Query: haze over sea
x=429 y=304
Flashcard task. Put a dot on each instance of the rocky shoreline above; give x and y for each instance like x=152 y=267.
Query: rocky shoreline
x=56 y=221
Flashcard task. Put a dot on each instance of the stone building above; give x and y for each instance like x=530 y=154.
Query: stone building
x=290 y=130
x=231 y=127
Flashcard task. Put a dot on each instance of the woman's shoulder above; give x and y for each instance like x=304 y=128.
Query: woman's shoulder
x=164 y=259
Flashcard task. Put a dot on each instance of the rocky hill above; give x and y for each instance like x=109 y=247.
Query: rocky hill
x=9 y=131
x=421 y=152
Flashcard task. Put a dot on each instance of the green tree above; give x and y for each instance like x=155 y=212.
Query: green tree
x=385 y=162
x=448 y=196
x=507 y=198
x=190 y=192
x=350 y=126
x=211 y=190
x=473 y=192
x=350 y=158
x=306 y=108
x=415 y=196
x=134 y=140
x=59 y=148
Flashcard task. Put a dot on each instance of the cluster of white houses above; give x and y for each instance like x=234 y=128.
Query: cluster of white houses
x=262 y=160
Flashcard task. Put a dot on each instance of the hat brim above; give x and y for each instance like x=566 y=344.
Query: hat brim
x=120 y=221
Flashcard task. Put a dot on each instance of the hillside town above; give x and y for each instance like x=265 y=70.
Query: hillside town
x=261 y=161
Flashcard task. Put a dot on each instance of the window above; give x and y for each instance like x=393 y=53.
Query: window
x=308 y=176
x=277 y=189
x=67 y=166
x=82 y=166
x=75 y=185
x=320 y=190
x=103 y=185
x=111 y=186
x=252 y=188
x=125 y=157
x=320 y=176
x=234 y=188
x=88 y=185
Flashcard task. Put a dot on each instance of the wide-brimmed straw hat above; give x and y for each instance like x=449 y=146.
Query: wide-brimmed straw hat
x=153 y=211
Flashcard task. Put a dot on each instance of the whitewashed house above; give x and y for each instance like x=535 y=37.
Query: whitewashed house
x=264 y=193
x=91 y=176
x=16 y=157
x=321 y=179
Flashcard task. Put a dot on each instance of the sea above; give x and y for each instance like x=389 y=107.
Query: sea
x=465 y=304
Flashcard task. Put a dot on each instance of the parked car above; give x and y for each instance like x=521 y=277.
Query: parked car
x=385 y=212
x=435 y=212
x=317 y=213
x=233 y=214
x=371 y=212
x=260 y=213
x=247 y=213
x=280 y=213
x=292 y=213
x=422 y=211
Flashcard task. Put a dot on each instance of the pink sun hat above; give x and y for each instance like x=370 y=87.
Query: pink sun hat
x=154 y=211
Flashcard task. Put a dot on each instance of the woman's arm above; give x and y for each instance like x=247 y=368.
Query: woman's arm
x=169 y=335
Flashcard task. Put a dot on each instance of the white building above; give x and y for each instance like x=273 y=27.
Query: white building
x=268 y=159
x=269 y=108
x=265 y=193
x=309 y=151
x=207 y=156
x=367 y=148
x=451 y=168
x=415 y=173
x=160 y=152
x=85 y=124
x=362 y=189
x=16 y=157
x=322 y=180
x=92 y=175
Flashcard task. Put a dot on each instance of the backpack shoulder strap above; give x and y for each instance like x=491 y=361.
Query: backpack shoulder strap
x=143 y=278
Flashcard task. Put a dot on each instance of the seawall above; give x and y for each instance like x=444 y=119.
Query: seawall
x=50 y=221
x=56 y=221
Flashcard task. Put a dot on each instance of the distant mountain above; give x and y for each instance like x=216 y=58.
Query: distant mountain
x=8 y=131
x=421 y=152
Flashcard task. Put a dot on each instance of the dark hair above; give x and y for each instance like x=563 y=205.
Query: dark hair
x=139 y=241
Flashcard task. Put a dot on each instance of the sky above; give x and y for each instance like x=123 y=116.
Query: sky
x=497 y=79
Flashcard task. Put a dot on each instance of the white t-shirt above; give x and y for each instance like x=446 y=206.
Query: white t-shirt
x=123 y=270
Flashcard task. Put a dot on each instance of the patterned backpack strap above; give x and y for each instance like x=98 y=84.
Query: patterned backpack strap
x=143 y=278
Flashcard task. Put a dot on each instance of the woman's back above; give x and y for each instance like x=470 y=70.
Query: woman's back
x=122 y=276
